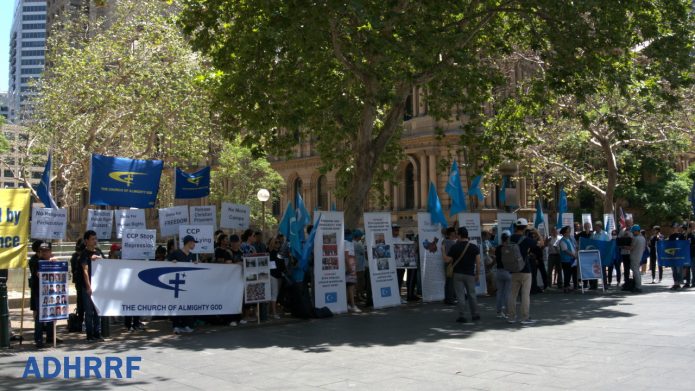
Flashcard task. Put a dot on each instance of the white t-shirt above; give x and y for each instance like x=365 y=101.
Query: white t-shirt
x=349 y=247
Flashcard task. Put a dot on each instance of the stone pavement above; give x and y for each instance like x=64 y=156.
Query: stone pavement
x=611 y=341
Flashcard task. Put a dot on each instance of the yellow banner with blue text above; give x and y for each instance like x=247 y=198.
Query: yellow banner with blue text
x=14 y=227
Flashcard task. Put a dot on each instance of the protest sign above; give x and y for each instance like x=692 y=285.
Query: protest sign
x=48 y=224
x=329 y=263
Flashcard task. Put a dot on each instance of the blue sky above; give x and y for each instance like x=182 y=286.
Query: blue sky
x=6 y=13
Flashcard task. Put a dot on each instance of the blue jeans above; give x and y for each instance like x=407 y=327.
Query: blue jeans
x=503 y=279
x=92 y=322
x=39 y=328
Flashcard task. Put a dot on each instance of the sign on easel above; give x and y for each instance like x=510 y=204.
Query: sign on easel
x=382 y=265
x=53 y=292
x=329 y=263
x=433 y=273
x=590 y=266
x=257 y=279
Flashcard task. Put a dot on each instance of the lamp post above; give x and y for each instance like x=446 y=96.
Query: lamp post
x=263 y=195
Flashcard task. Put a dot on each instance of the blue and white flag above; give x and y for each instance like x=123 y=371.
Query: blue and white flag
x=605 y=248
x=561 y=206
x=43 y=190
x=539 y=215
x=434 y=207
x=455 y=191
x=119 y=181
x=673 y=253
x=301 y=219
x=284 y=226
x=503 y=192
x=474 y=190
x=195 y=185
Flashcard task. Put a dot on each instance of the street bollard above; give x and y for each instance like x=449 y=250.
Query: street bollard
x=4 y=315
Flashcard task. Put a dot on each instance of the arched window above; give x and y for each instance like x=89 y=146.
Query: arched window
x=322 y=193
x=409 y=186
x=297 y=188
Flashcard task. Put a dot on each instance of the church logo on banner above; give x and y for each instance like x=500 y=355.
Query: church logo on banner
x=119 y=181
x=193 y=185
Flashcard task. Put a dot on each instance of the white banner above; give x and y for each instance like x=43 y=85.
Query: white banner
x=171 y=218
x=505 y=221
x=204 y=215
x=568 y=220
x=329 y=263
x=129 y=219
x=139 y=243
x=48 y=224
x=256 y=279
x=140 y=288
x=472 y=223
x=101 y=222
x=235 y=216
x=609 y=222
x=382 y=265
x=433 y=267
x=203 y=234
x=586 y=218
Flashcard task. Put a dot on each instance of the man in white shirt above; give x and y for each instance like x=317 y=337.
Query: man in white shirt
x=639 y=244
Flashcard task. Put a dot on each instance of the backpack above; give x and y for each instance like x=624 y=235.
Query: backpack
x=511 y=257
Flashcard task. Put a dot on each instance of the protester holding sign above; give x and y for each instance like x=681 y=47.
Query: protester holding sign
x=77 y=278
x=91 y=253
x=42 y=251
x=653 y=240
x=677 y=270
x=639 y=244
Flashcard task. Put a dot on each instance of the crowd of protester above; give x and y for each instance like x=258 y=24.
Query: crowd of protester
x=546 y=262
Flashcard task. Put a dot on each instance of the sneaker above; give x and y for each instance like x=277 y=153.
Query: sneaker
x=243 y=321
x=686 y=285
x=511 y=321
x=187 y=329
x=131 y=329
x=233 y=324
x=461 y=319
x=501 y=315
x=40 y=345
x=177 y=330
x=99 y=339
x=404 y=301
x=354 y=309
x=528 y=321
x=275 y=316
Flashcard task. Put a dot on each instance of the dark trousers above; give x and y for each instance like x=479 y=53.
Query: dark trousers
x=39 y=328
x=569 y=274
x=91 y=318
x=652 y=267
x=368 y=286
x=80 y=303
x=616 y=266
x=686 y=270
x=131 y=321
x=449 y=291
x=538 y=266
x=412 y=281
x=626 y=267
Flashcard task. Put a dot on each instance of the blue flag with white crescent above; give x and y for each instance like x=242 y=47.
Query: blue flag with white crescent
x=434 y=207
x=43 y=190
x=673 y=253
x=474 y=190
x=605 y=248
x=308 y=247
x=284 y=226
x=503 y=191
x=119 y=181
x=455 y=191
x=539 y=215
x=561 y=206
x=192 y=185
x=301 y=219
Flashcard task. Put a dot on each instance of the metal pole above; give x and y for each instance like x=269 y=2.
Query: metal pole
x=4 y=316
x=263 y=217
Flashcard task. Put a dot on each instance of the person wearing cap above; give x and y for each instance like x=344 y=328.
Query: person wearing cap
x=182 y=324
x=637 y=247
x=503 y=278
x=521 y=280
x=677 y=271
x=466 y=258
x=653 y=240
x=115 y=251
x=91 y=253
x=360 y=263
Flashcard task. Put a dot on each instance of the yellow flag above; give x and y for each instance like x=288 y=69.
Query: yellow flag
x=14 y=227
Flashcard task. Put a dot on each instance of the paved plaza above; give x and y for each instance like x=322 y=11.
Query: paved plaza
x=611 y=341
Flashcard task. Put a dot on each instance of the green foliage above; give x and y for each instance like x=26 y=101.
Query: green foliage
x=339 y=73
x=239 y=175
x=662 y=201
x=128 y=88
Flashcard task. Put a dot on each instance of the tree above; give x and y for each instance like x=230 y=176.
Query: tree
x=239 y=175
x=340 y=73
x=131 y=88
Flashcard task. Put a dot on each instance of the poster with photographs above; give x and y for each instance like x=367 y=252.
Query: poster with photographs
x=257 y=279
x=433 y=268
x=472 y=223
x=382 y=264
x=329 y=262
x=53 y=290
x=405 y=253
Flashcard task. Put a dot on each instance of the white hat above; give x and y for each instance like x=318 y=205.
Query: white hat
x=521 y=222
x=506 y=232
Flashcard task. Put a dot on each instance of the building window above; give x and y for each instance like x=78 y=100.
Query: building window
x=408 y=113
x=31 y=71
x=34 y=26
x=409 y=186
x=322 y=193
x=33 y=61
x=33 y=53
x=33 y=17
x=33 y=8
x=38 y=34
x=34 y=44
x=297 y=187
x=8 y=174
x=276 y=206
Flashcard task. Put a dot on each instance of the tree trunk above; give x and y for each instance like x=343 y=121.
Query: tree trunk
x=612 y=176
